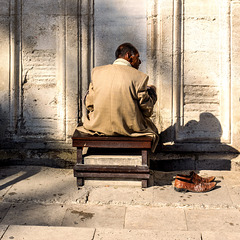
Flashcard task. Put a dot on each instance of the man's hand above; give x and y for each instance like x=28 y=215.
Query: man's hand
x=152 y=93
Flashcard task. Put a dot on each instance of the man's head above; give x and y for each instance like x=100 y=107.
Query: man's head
x=128 y=52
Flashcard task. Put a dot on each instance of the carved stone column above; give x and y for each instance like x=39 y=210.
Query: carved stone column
x=86 y=50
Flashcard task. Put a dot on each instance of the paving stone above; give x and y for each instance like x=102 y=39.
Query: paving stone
x=162 y=219
x=220 y=235
x=234 y=193
x=127 y=234
x=34 y=214
x=232 y=180
x=12 y=175
x=121 y=195
x=95 y=216
x=3 y=229
x=4 y=207
x=213 y=220
x=61 y=188
x=48 y=233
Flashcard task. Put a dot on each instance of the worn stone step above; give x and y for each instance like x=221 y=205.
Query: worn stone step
x=126 y=160
x=62 y=233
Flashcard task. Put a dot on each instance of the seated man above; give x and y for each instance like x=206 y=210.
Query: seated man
x=119 y=102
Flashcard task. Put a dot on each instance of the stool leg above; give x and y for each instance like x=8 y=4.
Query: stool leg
x=144 y=183
x=145 y=157
x=80 y=181
x=144 y=163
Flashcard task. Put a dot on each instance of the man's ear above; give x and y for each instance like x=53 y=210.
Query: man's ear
x=130 y=58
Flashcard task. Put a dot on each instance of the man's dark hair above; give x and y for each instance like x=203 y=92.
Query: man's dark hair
x=125 y=48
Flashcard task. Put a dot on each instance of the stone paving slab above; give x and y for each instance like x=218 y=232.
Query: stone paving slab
x=121 y=196
x=3 y=229
x=162 y=219
x=232 y=180
x=234 y=193
x=12 y=175
x=120 y=217
x=48 y=185
x=126 y=234
x=48 y=233
x=220 y=235
x=34 y=214
x=62 y=233
x=95 y=216
x=4 y=208
x=213 y=220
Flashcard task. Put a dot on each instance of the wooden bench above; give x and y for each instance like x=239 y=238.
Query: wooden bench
x=81 y=170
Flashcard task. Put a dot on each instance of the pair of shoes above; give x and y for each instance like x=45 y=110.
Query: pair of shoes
x=193 y=183
x=195 y=178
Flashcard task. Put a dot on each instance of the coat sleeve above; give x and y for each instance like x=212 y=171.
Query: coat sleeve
x=145 y=101
x=89 y=98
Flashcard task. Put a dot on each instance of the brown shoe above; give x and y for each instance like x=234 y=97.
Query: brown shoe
x=195 y=178
x=184 y=186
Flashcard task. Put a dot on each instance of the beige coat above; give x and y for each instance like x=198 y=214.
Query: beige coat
x=119 y=104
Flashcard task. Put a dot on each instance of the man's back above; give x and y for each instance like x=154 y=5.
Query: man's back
x=118 y=101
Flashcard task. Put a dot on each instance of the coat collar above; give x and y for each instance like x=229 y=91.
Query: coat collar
x=121 y=61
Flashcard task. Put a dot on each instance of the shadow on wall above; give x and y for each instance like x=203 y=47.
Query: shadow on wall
x=195 y=146
x=207 y=129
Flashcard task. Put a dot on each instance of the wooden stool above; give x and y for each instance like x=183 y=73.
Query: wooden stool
x=81 y=170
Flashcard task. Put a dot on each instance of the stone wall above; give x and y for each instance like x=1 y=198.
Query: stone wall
x=189 y=48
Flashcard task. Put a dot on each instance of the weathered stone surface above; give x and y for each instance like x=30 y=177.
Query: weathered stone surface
x=235 y=163
x=224 y=220
x=34 y=214
x=3 y=228
x=4 y=83
x=235 y=20
x=214 y=161
x=30 y=185
x=158 y=219
x=97 y=216
x=207 y=74
x=4 y=207
x=121 y=196
x=220 y=235
x=172 y=162
x=48 y=233
x=4 y=7
x=46 y=7
x=108 y=37
x=117 y=213
x=205 y=26
x=125 y=234
x=202 y=8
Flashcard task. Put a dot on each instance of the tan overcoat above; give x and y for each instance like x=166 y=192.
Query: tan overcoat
x=119 y=104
